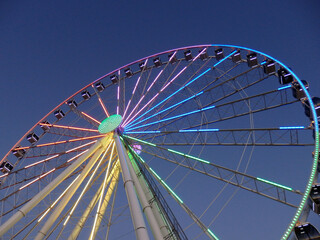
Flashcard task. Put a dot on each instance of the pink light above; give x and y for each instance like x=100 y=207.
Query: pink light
x=199 y=54
x=126 y=108
x=135 y=107
x=173 y=79
x=135 y=87
x=155 y=80
x=172 y=56
x=142 y=109
x=137 y=148
x=118 y=93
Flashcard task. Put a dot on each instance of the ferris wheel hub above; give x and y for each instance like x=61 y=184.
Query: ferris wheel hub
x=110 y=123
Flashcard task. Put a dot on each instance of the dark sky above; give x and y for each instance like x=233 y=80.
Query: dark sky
x=50 y=49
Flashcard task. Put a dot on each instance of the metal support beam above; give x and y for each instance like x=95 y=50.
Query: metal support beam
x=136 y=213
x=147 y=209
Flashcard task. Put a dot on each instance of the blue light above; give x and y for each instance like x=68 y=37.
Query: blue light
x=207 y=108
x=183 y=101
x=294 y=127
x=182 y=87
x=263 y=62
x=174 y=117
x=285 y=87
x=142 y=132
x=188 y=130
x=200 y=130
x=209 y=130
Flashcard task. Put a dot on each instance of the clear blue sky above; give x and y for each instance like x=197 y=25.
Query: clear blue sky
x=50 y=49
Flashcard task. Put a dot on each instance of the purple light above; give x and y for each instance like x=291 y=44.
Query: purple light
x=172 y=106
x=155 y=80
x=173 y=79
x=140 y=109
x=205 y=49
x=126 y=108
x=137 y=148
x=135 y=87
x=134 y=108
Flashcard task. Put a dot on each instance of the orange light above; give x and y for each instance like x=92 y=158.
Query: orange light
x=67 y=127
x=91 y=117
x=60 y=142
x=104 y=107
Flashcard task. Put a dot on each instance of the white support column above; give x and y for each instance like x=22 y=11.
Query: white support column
x=147 y=209
x=136 y=213
x=44 y=192
x=162 y=223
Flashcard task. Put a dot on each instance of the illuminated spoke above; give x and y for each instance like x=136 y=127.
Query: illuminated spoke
x=134 y=89
x=93 y=119
x=101 y=102
x=96 y=221
x=68 y=127
x=161 y=90
x=61 y=142
x=181 y=88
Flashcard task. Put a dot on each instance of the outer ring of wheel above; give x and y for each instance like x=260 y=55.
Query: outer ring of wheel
x=314 y=114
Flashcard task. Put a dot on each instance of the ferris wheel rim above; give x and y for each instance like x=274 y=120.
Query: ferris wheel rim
x=315 y=162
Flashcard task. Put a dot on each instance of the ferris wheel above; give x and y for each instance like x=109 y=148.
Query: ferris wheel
x=200 y=142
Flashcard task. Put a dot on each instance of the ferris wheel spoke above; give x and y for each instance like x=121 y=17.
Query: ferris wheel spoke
x=183 y=101
x=132 y=120
x=54 y=156
x=69 y=127
x=149 y=88
x=135 y=88
x=203 y=93
x=229 y=110
x=112 y=208
x=94 y=122
x=101 y=101
x=257 y=185
x=182 y=204
x=280 y=136
x=102 y=206
x=128 y=119
x=60 y=142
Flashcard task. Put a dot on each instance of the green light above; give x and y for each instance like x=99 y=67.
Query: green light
x=173 y=193
x=110 y=123
x=155 y=173
x=212 y=234
x=189 y=156
x=170 y=150
x=274 y=184
x=138 y=140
